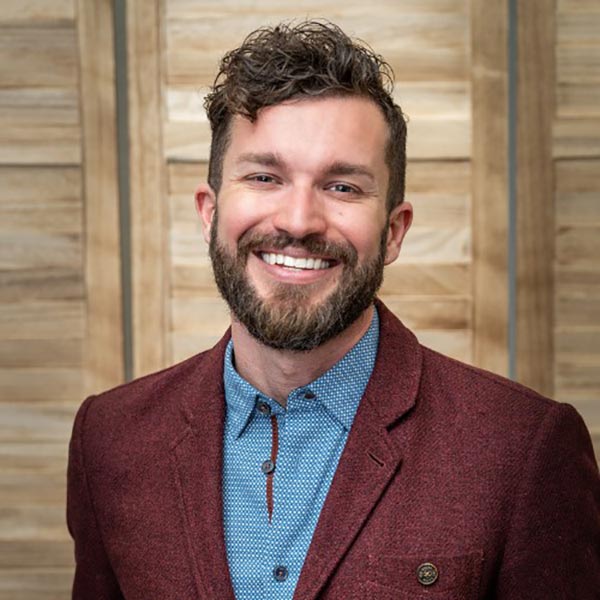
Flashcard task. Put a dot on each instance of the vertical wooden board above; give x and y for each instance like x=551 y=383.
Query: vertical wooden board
x=535 y=191
x=576 y=131
x=489 y=80
x=147 y=186
x=104 y=342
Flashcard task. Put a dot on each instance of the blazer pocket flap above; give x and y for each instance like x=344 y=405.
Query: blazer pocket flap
x=428 y=573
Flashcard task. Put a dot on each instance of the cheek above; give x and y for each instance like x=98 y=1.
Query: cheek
x=365 y=234
x=234 y=221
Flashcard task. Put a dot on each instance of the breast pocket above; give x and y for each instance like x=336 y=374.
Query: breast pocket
x=424 y=576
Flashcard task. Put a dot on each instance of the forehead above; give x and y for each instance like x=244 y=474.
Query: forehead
x=314 y=131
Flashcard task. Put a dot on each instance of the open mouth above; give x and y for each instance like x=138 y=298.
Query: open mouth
x=294 y=262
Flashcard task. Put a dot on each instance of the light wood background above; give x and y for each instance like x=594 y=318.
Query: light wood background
x=60 y=306
x=61 y=329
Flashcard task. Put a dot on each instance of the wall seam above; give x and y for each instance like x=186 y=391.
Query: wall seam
x=120 y=50
x=512 y=187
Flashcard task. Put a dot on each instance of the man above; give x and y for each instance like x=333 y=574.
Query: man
x=318 y=451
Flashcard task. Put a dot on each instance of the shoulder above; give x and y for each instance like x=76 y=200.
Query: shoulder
x=495 y=416
x=473 y=406
x=155 y=404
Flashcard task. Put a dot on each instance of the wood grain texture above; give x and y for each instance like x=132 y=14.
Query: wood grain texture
x=147 y=186
x=39 y=584
x=417 y=38
x=577 y=218
x=37 y=11
x=535 y=189
x=104 y=339
x=39 y=118
x=489 y=80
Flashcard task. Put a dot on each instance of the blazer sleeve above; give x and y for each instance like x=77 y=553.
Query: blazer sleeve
x=553 y=543
x=94 y=577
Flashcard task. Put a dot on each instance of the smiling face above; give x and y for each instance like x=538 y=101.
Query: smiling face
x=302 y=231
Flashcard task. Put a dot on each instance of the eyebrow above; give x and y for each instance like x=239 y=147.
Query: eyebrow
x=337 y=168
x=266 y=159
x=344 y=168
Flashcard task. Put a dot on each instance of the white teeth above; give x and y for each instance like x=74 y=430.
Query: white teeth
x=297 y=263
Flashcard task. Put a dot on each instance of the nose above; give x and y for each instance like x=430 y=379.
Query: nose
x=301 y=213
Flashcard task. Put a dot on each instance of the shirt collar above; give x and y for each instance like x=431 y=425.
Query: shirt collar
x=351 y=374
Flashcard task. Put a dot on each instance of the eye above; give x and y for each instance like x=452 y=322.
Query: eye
x=261 y=178
x=343 y=188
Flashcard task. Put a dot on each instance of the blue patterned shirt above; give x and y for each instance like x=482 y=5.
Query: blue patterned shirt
x=278 y=467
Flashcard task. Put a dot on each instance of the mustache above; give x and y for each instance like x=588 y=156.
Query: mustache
x=343 y=252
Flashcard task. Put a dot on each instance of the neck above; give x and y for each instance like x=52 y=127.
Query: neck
x=277 y=372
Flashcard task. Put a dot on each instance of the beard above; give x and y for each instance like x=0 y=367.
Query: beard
x=288 y=319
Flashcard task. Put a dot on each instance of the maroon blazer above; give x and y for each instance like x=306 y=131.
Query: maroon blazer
x=493 y=484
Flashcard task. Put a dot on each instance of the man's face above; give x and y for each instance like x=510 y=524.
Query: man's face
x=301 y=233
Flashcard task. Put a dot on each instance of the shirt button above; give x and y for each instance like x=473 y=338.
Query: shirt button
x=267 y=467
x=280 y=573
x=263 y=408
x=308 y=395
x=427 y=574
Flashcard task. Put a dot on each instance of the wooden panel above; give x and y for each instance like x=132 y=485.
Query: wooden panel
x=147 y=187
x=42 y=320
x=39 y=121
x=59 y=273
x=417 y=38
x=104 y=339
x=38 y=56
x=41 y=584
x=37 y=11
x=535 y=186
x=577 y=127
x=490 y=175
x=40 y=219
x=36 y=421
x=40 y=353
x=577 y=230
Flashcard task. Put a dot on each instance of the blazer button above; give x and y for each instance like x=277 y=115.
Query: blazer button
x=427 y=573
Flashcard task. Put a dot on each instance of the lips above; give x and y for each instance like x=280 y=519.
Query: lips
x=304 y=263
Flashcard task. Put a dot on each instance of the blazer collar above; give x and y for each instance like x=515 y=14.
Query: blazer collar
x=197 y=455
x=370 y=458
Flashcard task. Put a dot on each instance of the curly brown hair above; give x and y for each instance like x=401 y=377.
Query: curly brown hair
x=308 y=59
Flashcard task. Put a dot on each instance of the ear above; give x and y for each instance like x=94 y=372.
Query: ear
x=206 y=204
x=400 y=222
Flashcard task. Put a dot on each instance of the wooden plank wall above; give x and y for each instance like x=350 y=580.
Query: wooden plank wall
x=576 y=152
x=60 y=328
x=428 y=45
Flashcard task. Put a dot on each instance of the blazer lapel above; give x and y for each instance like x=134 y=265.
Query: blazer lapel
x=370 y=459
x=197 y=458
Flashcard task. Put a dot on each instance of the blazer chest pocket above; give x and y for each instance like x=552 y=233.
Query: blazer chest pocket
x=424 y=576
